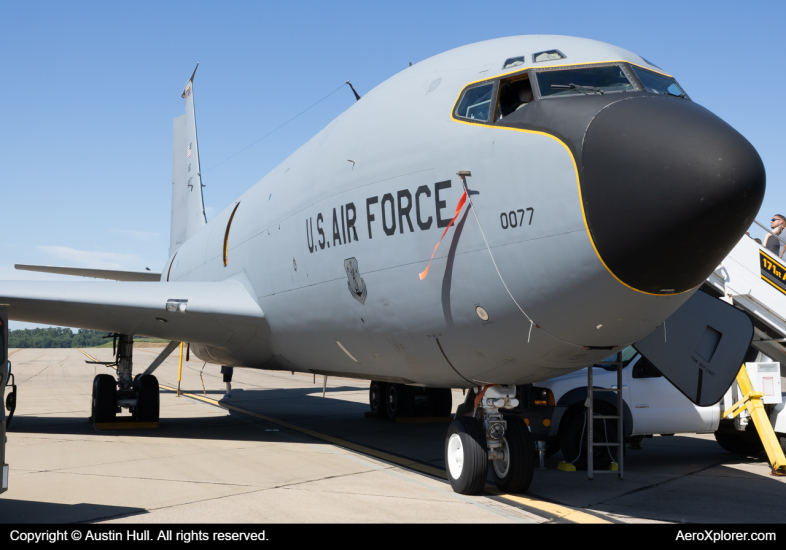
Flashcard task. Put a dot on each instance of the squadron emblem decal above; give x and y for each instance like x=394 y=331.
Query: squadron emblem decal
x=356 y=285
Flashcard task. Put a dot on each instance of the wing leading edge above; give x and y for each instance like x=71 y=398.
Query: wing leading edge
x=110 y=274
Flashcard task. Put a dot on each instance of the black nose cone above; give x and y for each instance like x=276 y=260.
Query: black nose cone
x=668 y=189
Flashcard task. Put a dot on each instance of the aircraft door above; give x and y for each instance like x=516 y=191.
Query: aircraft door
x=659 y=407
x=700 y=347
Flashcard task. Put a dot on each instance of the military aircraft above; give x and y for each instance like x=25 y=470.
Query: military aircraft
x=496 y=215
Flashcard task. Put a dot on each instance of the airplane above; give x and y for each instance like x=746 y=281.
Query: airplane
x=496 y=215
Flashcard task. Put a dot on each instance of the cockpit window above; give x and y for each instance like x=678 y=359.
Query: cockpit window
x=513 y=95
x=585 y=81
x=476 y=103
x=658 y=83
x=549 y=55
x=513 y=62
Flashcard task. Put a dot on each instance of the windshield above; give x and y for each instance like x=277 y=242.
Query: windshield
x=658 y=83
x=592 y=80
x=476 y=102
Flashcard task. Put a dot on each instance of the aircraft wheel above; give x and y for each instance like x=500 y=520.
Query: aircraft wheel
x=147 y=404
x=745 y=443
x=573 y=442
x=10 y=405
x=376 y=399
x=441 y=403
x=400 y=400
x=104 y=399
x=513 y=474
x=466 y=455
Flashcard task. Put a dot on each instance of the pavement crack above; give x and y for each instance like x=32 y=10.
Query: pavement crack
x=658 y=484
x=221 y=483
x=31 y=377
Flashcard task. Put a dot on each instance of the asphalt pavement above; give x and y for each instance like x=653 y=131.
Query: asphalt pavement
x=277 y=451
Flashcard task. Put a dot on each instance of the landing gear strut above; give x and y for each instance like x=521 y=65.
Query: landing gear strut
x=481 y=434
x=139 y=395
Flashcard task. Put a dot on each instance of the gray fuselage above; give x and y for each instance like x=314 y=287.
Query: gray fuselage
x=379 y=184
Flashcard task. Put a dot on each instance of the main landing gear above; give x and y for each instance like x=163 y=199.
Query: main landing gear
x=481 y=434
x=137 y=394
x=399 y=400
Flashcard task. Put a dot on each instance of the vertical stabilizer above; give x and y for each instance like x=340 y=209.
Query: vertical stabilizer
x=188 y=207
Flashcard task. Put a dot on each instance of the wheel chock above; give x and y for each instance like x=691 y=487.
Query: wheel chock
x=108 y=426
x=566 y=467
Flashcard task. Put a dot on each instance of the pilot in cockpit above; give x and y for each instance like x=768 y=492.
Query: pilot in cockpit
x=513 y=96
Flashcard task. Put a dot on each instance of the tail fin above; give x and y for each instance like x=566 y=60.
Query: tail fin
x=188 y=206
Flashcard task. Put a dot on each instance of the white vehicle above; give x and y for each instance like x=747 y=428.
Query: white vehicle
x=556 y=411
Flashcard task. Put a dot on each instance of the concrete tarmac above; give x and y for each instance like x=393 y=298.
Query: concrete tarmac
x=283 y=453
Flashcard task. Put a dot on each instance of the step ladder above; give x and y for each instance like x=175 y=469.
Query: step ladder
x=591 y=416
x=751 y=401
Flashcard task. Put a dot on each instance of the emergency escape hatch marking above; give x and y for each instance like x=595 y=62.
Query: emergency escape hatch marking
x=706 y=350
x=708 y=343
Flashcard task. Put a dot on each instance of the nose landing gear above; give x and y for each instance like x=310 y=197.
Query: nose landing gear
x=481 y=434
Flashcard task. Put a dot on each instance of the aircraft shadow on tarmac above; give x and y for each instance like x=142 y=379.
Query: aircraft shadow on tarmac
x=696 y=469
x=29 y=511
x=303 y=407
x=665 y=458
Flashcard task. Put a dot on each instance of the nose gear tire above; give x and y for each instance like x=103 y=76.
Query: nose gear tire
x=514 y=474
x=104 y=407
x=466 y=455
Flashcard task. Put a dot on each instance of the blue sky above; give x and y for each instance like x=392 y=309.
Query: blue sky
x=89 y=90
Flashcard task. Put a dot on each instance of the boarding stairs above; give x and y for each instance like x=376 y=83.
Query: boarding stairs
x=752 y=279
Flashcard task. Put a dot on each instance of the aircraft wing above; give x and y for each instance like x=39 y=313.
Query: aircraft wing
x=111 y=274
x=209 y=313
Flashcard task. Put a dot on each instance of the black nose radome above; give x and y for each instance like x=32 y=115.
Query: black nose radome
x=668 y=189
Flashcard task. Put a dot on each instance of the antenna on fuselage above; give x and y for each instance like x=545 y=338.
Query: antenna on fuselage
x=357 y=97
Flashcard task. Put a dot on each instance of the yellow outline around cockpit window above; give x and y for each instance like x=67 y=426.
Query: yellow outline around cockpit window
x=517 y=70
x=575 y=166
